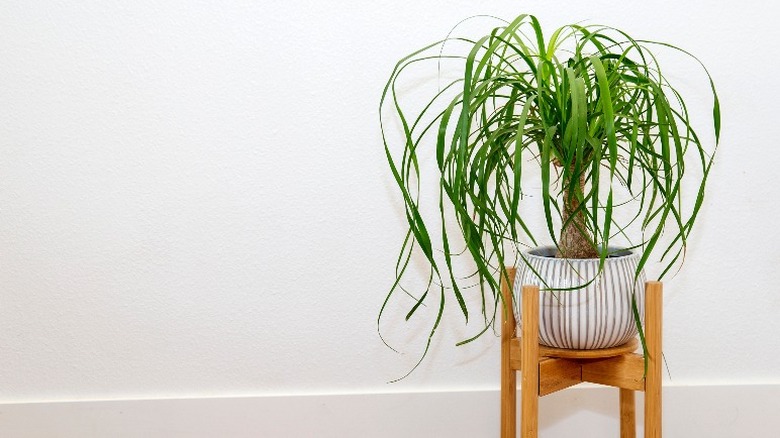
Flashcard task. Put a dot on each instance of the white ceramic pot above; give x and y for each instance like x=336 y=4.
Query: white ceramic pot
x=598 y=315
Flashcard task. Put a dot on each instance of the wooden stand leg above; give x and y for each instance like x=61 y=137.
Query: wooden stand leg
x=529 y=363
x=508 y=374
x=653 y=335
x=627 y=414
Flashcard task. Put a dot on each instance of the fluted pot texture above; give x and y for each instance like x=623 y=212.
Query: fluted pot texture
x=597 y=315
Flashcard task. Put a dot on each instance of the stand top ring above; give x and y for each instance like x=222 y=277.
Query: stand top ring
x=566 y=353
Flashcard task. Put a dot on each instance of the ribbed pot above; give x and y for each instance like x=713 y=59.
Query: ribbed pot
x=598 y=315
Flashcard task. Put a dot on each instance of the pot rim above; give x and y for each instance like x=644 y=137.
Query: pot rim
x=548 y=252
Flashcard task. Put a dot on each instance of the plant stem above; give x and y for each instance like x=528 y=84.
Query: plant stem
x=576 y=241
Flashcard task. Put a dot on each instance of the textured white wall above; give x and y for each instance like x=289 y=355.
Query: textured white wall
x=194 y=200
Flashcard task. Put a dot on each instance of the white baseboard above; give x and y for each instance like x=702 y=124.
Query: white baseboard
x=732 y=411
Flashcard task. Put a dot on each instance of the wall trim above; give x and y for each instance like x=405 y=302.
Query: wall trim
x=712 y=411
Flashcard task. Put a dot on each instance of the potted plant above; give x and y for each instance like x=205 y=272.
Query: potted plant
x=571 y=155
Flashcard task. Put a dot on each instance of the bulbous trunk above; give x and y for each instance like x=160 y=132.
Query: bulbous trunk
x=575 y=241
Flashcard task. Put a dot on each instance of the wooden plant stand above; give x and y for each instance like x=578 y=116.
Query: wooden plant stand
x=546 y=370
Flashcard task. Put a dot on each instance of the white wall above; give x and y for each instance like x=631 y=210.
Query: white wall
x=194 y=200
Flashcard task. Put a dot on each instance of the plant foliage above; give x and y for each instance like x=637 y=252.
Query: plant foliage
x=587 y=112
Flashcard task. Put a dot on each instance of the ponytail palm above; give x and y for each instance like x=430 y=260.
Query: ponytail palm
x=581 y=122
